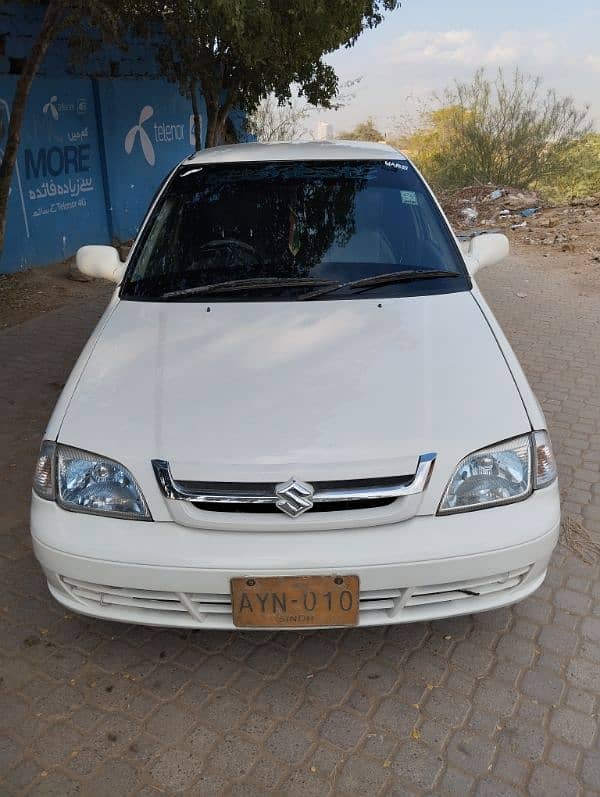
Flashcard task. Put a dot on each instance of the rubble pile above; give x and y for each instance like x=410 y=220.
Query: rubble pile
x=526 y=218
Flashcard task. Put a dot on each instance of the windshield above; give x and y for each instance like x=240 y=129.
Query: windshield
x=291 y=230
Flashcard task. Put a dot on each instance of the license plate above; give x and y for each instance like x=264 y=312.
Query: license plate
x=295 y=601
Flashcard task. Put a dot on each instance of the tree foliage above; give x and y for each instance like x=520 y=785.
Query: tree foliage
x=576 y=170
x=363 y=131
x=505 y=130
x=241 y=51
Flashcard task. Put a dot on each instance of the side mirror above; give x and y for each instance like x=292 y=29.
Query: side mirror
x=100 y=261
x=485 y=250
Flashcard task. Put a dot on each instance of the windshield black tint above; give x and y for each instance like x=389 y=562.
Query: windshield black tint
x=281 y=230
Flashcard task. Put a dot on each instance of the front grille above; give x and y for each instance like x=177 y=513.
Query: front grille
x=240 y=490
x=193 y=609
x=191 y=603
x=271 y=509
x=461 y=590
x=294 y=497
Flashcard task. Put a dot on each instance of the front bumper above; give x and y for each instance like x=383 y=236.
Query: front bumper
x=428 y=567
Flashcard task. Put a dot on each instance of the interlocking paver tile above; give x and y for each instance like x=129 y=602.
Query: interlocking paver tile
x=328 y=685
x=504 y=703
x=362 y=775
x=289 y=742
x=548 y=781
x=522 y=739
x=22 y=775
x=496 y=696
x=175 y=769
x=510 y=768
x=224 y=711
x=543 y=686
x=564 y=757
x=585 y=674
x=417 y=764
x=447 y=707
x=171 y=721
x=234 y=756
x=268 y=772
x=471 y=751
x=455 y=783
x=305 y=784
x=54 y=784
x=267 y=659
x=491 y=787
x=582 y=701
x=10 y=751
x=572 y=727
x=114 y=778
x=56 y=744
x=396 y=716
x=343 y=729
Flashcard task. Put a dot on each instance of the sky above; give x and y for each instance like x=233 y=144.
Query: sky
x=426 y=44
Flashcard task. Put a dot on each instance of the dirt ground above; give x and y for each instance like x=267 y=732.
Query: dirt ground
x=27 y=294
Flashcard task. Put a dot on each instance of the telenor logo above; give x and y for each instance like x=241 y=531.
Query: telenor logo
x=147 y=148
x=50 y=106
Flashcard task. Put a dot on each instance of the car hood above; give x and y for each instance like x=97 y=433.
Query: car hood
x=318 y=390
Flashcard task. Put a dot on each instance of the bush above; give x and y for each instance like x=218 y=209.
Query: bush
x=506 y=131
x=576 y=171
x=363 y=131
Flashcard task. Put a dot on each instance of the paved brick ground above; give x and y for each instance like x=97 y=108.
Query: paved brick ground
x=504 y=703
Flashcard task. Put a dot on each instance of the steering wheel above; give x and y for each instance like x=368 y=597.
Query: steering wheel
x=229 y=245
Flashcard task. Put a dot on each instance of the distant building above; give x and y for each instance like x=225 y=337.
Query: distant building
x=324 y=131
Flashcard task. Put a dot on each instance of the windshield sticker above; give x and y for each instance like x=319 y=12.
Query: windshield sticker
x=409 y=197
x=396 y=165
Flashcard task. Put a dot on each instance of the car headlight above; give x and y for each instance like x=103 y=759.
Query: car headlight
x=500 y=474
x=84 y=482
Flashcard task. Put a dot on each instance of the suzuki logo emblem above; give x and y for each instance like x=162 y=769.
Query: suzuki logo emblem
x=294 y=497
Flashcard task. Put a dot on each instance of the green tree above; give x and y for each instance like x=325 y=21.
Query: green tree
x=87 y=22
x=505 y=130
x=363 y=131
x=238 y=52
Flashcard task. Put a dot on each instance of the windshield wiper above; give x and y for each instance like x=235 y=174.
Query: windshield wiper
x=247 y=284
x=381 y=279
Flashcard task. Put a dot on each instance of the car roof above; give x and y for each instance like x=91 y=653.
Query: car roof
x=296 y=151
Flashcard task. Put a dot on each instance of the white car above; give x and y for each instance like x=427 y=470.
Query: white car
x=296 y=411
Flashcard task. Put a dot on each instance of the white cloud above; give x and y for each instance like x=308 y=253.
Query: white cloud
x=594 y=61
x=434 y=46
x=467 y=48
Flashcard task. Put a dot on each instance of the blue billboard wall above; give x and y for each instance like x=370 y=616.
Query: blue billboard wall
x=92 y=154
x=56 y=201
x=147 y=128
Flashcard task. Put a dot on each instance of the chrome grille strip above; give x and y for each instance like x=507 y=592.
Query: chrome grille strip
x=265 y=494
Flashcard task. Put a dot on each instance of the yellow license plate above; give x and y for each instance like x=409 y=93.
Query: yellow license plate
x=295 y=601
